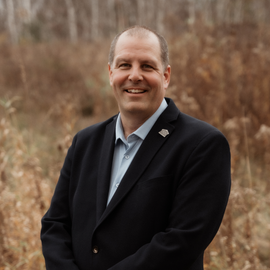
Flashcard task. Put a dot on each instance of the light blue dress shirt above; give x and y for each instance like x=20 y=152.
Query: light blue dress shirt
x=126 y=149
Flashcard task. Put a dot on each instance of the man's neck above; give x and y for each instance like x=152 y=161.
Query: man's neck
x=132 y=123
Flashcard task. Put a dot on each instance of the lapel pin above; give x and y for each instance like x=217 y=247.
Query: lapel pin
x=164 y=132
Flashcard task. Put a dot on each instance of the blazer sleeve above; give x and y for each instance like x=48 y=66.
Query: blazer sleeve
x=197 y=211
x=56 y=223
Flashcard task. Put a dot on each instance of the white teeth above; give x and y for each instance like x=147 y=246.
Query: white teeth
x=135 y=91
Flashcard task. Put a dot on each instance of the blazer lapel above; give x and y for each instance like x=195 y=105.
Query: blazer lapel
x=148 y=149
x=104 y=170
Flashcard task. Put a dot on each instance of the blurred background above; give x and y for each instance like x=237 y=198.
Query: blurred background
x=54 y=82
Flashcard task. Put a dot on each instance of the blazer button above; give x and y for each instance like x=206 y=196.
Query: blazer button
x=95 y=249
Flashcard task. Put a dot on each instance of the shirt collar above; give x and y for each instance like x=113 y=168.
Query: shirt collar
x=144 y=129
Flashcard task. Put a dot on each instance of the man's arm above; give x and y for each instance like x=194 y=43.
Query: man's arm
x=198 y=207
x=56 y=224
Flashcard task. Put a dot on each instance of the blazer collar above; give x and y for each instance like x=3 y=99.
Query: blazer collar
x=148 y=149
x=104 y=170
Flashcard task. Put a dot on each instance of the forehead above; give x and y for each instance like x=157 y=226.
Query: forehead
x=146 y=45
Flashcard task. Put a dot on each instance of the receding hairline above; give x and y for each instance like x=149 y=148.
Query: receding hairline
x=142 y=32
x=138 y=32
x=140 y=35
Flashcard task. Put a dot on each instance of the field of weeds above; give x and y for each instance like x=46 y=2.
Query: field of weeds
x=50 y=91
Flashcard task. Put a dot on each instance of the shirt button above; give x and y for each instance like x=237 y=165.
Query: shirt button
x=117 y=184
x=95 y=249
x=126 y=156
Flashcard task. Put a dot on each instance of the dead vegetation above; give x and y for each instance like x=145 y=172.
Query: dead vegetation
x=219 y=75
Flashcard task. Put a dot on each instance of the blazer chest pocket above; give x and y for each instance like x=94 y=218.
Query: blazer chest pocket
x=154 y=198
x=156 y=183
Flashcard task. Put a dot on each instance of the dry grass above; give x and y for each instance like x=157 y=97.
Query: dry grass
x=24 y=196
x=219 y=75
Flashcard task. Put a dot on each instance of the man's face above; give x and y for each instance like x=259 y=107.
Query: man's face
x=137 y=76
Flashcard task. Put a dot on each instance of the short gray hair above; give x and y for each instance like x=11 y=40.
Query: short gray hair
x=142 y=31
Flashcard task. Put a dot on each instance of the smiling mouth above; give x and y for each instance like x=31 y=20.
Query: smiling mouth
x=135 y=91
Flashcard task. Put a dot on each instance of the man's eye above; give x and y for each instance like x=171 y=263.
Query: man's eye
x=147 y=66
x=124 y=65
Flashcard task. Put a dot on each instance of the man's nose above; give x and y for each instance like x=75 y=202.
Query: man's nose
x=135 y=74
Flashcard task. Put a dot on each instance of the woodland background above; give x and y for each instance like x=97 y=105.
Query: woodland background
x=54 y=82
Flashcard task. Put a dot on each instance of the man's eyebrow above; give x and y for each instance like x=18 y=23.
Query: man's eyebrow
x=126 y=59
x=150 y=62
x=121 y=59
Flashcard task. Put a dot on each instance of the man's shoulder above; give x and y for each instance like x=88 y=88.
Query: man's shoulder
x=186 y=126
x=195 y=123
x=195 y=128
x=184 y=120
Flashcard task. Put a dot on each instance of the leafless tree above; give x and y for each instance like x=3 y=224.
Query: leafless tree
x=222 y=11
x=238 y=12
x=72 y=21
x=160 y=16
x=27 y=11
x=36 y=7
x=11 y=24
x=111 y=16
x=191 y=11
x=207 y=11
x=94 y=19
x=141 y=11
x=1 y=6
x=91 y=19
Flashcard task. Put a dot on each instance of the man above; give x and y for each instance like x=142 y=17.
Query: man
x=146 y=189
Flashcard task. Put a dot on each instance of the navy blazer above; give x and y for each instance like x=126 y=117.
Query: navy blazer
x=165 y=212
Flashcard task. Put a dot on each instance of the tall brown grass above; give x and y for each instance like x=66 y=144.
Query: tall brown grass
x=219 y=75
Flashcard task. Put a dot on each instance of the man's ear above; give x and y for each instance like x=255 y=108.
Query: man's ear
x=167 y=76
x=110 y=73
